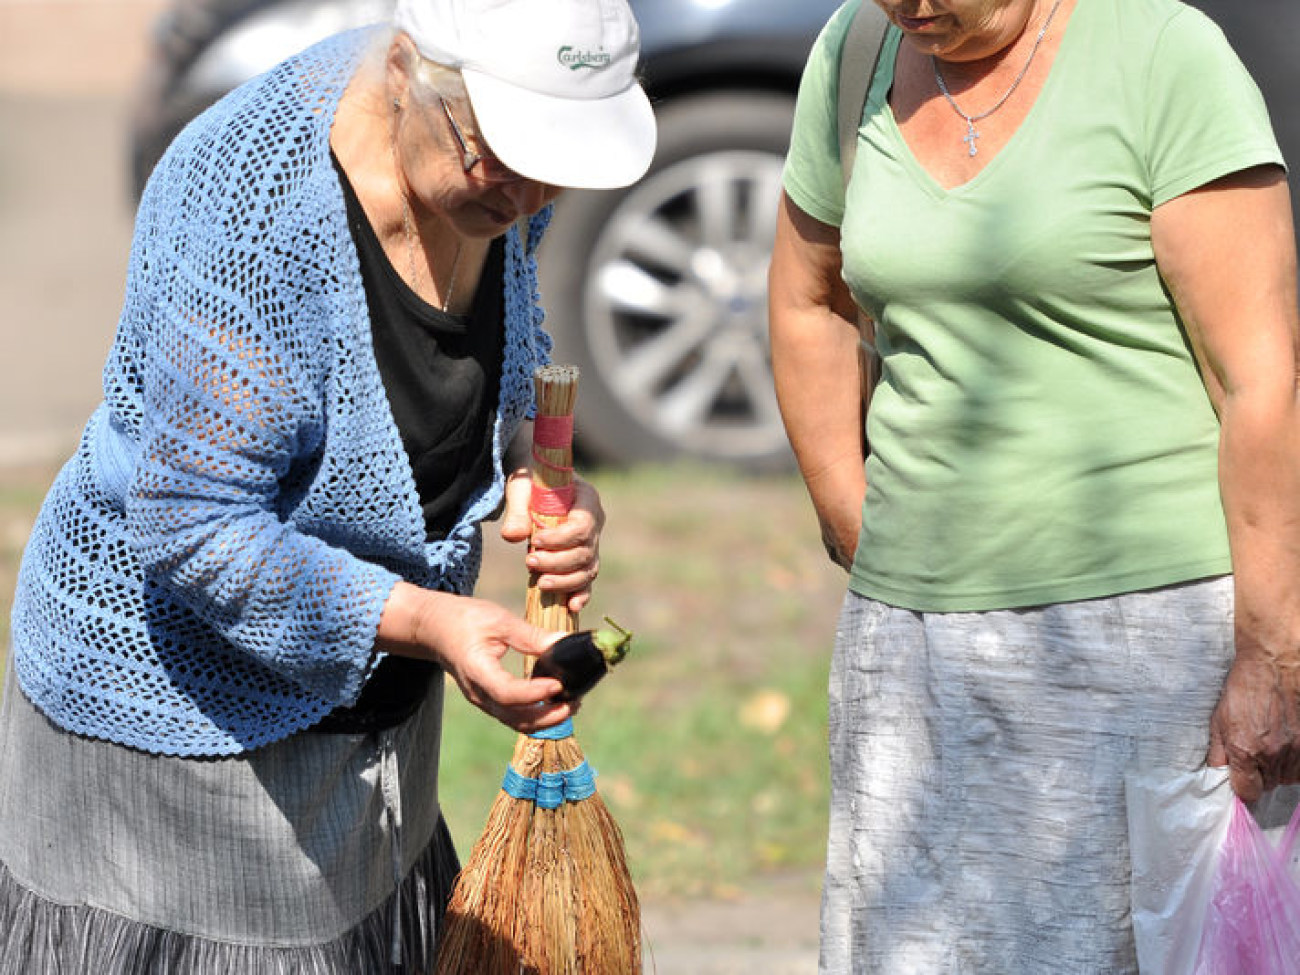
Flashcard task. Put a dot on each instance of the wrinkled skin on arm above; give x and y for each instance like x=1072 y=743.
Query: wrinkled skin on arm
x=1227 y=254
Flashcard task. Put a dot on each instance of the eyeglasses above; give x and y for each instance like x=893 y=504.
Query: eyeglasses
x=490 y=168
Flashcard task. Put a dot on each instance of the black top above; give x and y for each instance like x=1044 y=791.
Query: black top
x=442 y=376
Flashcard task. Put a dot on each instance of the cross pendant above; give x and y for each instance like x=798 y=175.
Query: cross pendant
x=971 y=135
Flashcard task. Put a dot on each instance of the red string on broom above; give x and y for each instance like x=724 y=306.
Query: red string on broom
x=546 y=890
x=553 y=490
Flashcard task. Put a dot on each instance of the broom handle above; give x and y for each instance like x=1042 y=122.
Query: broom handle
x=552 y=476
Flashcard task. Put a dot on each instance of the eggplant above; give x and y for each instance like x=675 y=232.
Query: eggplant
x=580 y=660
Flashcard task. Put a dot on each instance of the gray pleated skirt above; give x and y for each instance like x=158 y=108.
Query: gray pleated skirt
x=978 y=763
x=323 y=854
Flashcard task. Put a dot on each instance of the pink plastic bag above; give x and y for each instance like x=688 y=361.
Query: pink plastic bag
x=1252 y=925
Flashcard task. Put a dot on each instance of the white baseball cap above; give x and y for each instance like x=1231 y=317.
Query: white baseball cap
x=552 y=82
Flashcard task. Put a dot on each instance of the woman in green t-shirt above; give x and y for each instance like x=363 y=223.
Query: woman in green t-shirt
x=1071 y=547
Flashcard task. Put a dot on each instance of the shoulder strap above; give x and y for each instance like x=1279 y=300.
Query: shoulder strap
x=858 y=60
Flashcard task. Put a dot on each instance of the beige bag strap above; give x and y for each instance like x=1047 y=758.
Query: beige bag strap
x=858 y=60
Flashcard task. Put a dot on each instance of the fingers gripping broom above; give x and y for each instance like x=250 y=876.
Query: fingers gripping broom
x=546 y=890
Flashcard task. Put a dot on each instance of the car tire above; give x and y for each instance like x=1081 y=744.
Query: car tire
x=658 y=292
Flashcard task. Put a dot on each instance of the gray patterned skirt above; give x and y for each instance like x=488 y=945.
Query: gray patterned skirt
x=978 y=762
x=323 y=854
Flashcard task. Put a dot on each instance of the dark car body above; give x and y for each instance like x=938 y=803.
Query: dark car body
x=657 y=292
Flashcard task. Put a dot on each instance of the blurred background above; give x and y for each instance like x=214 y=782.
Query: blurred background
x=67 y=70
x=710 y=740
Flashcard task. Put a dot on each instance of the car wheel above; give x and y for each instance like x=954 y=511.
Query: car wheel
x=659 y=292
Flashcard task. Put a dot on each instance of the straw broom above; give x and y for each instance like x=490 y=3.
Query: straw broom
x=546 y=890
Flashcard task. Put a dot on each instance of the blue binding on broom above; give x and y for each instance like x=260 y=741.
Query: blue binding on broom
x=552 y=789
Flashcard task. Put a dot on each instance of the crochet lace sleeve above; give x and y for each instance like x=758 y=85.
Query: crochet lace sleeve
x=232 y=400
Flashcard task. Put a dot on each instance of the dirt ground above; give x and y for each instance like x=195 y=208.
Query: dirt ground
x=66 y=73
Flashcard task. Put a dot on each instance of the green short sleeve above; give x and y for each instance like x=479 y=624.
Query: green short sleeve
x=1205 y=116
x=812 y=177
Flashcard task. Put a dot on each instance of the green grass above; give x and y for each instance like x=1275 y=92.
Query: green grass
x=709 y=740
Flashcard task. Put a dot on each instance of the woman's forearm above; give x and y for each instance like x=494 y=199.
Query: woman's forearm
x=1255 y=729
x=815 y=366
x=1260 y=487
x=814 y=357
x=407 y=625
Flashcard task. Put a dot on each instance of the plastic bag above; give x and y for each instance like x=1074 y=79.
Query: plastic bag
x=1177 y=826
x=1216 y=890
x=1252 y=923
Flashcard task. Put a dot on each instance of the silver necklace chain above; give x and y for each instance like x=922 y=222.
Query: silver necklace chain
x=972 y=133
x=409 y=226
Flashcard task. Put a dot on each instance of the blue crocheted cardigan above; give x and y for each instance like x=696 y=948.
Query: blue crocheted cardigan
x=208 y=570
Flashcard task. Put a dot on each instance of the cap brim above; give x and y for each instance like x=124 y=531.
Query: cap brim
x=601 y=143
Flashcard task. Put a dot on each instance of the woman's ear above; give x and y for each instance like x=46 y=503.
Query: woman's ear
x=397 y=68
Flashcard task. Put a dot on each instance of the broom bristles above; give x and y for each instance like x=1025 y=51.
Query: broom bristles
x=578 y=907
x=545 y=891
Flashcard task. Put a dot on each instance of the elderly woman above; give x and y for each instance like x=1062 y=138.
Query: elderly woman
x=1075 y=543
x=221 y=728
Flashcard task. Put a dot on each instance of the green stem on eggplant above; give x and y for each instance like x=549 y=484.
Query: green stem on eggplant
x=579 y=661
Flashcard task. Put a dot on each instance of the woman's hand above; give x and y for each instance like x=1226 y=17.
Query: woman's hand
x=1255 y=730
x=469 y=638
x=565 y=558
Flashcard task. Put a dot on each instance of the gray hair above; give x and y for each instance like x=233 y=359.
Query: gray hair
x=431 y=80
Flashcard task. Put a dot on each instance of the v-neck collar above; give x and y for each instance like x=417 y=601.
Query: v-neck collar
x=1023 y=131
